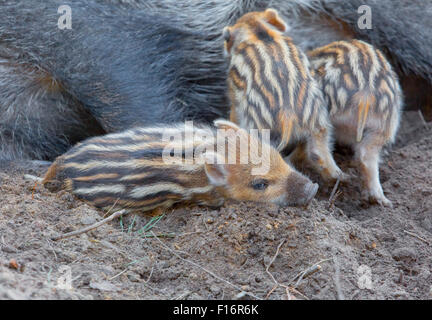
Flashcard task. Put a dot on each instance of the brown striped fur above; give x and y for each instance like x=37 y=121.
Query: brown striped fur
x=365 y=102
x=270 y=87
x=127 y=170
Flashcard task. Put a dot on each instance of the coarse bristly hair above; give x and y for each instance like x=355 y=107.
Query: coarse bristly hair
x=139 y=62
x=142 y=169
x=365 y=103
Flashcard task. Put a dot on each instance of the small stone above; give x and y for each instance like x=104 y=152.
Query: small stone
x=8 y=249
x=404 y=254
x=88 y=220
x=104 y=286
x=245 y=288
x=133 y=277
x=233 y=216
x=193 y=276
x=291 y=245
x=400 y=294
x=242 y=296
x=266 y=261
x=215 y=289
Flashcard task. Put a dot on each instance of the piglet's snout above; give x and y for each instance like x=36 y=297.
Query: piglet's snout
x=301 y=190
x=310 y=191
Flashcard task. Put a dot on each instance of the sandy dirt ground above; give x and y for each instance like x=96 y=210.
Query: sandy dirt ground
x=348 y=250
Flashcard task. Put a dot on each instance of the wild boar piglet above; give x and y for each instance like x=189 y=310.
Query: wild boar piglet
x=365 y=102
x=153 y=168
x=270 y=87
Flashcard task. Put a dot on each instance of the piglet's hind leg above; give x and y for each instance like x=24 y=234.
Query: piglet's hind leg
x=368 y=156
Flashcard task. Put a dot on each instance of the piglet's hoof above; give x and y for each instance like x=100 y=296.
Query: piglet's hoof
x=381 y=200
x=343 y=177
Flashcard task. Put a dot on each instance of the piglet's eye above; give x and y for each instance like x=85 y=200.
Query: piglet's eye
x=260 y=184
x=314 y=157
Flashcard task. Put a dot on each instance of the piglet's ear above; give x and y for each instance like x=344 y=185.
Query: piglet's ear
x=226 y=33
x=272 y=18
x=225 y=124
x=215 y=170
x=228 y=40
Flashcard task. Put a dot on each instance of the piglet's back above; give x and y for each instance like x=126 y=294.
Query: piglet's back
x=269 y=82
x=128 y=169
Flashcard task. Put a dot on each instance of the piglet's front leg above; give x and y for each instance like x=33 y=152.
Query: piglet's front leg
x=319 y=155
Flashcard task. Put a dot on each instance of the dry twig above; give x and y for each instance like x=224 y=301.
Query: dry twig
x=93 y=226
x=334 y=195
x=278 y=284
x=272 y=260
x=425 y=124
x=202 y=268
x=417 y=237
x=308 y=272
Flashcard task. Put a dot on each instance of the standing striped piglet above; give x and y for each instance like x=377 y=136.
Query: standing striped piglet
x=270 y=87
x=365 y=102
x=150 y=169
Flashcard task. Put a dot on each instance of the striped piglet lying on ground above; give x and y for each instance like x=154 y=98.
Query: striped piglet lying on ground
x=150 y=169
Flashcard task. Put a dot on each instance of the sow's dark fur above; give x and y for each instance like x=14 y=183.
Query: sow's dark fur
x=132 y=63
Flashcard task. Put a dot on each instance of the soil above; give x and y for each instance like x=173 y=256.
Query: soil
x=241 y=251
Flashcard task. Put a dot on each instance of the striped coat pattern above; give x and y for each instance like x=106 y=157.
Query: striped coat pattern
x=270 y=86
x=365 y=102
